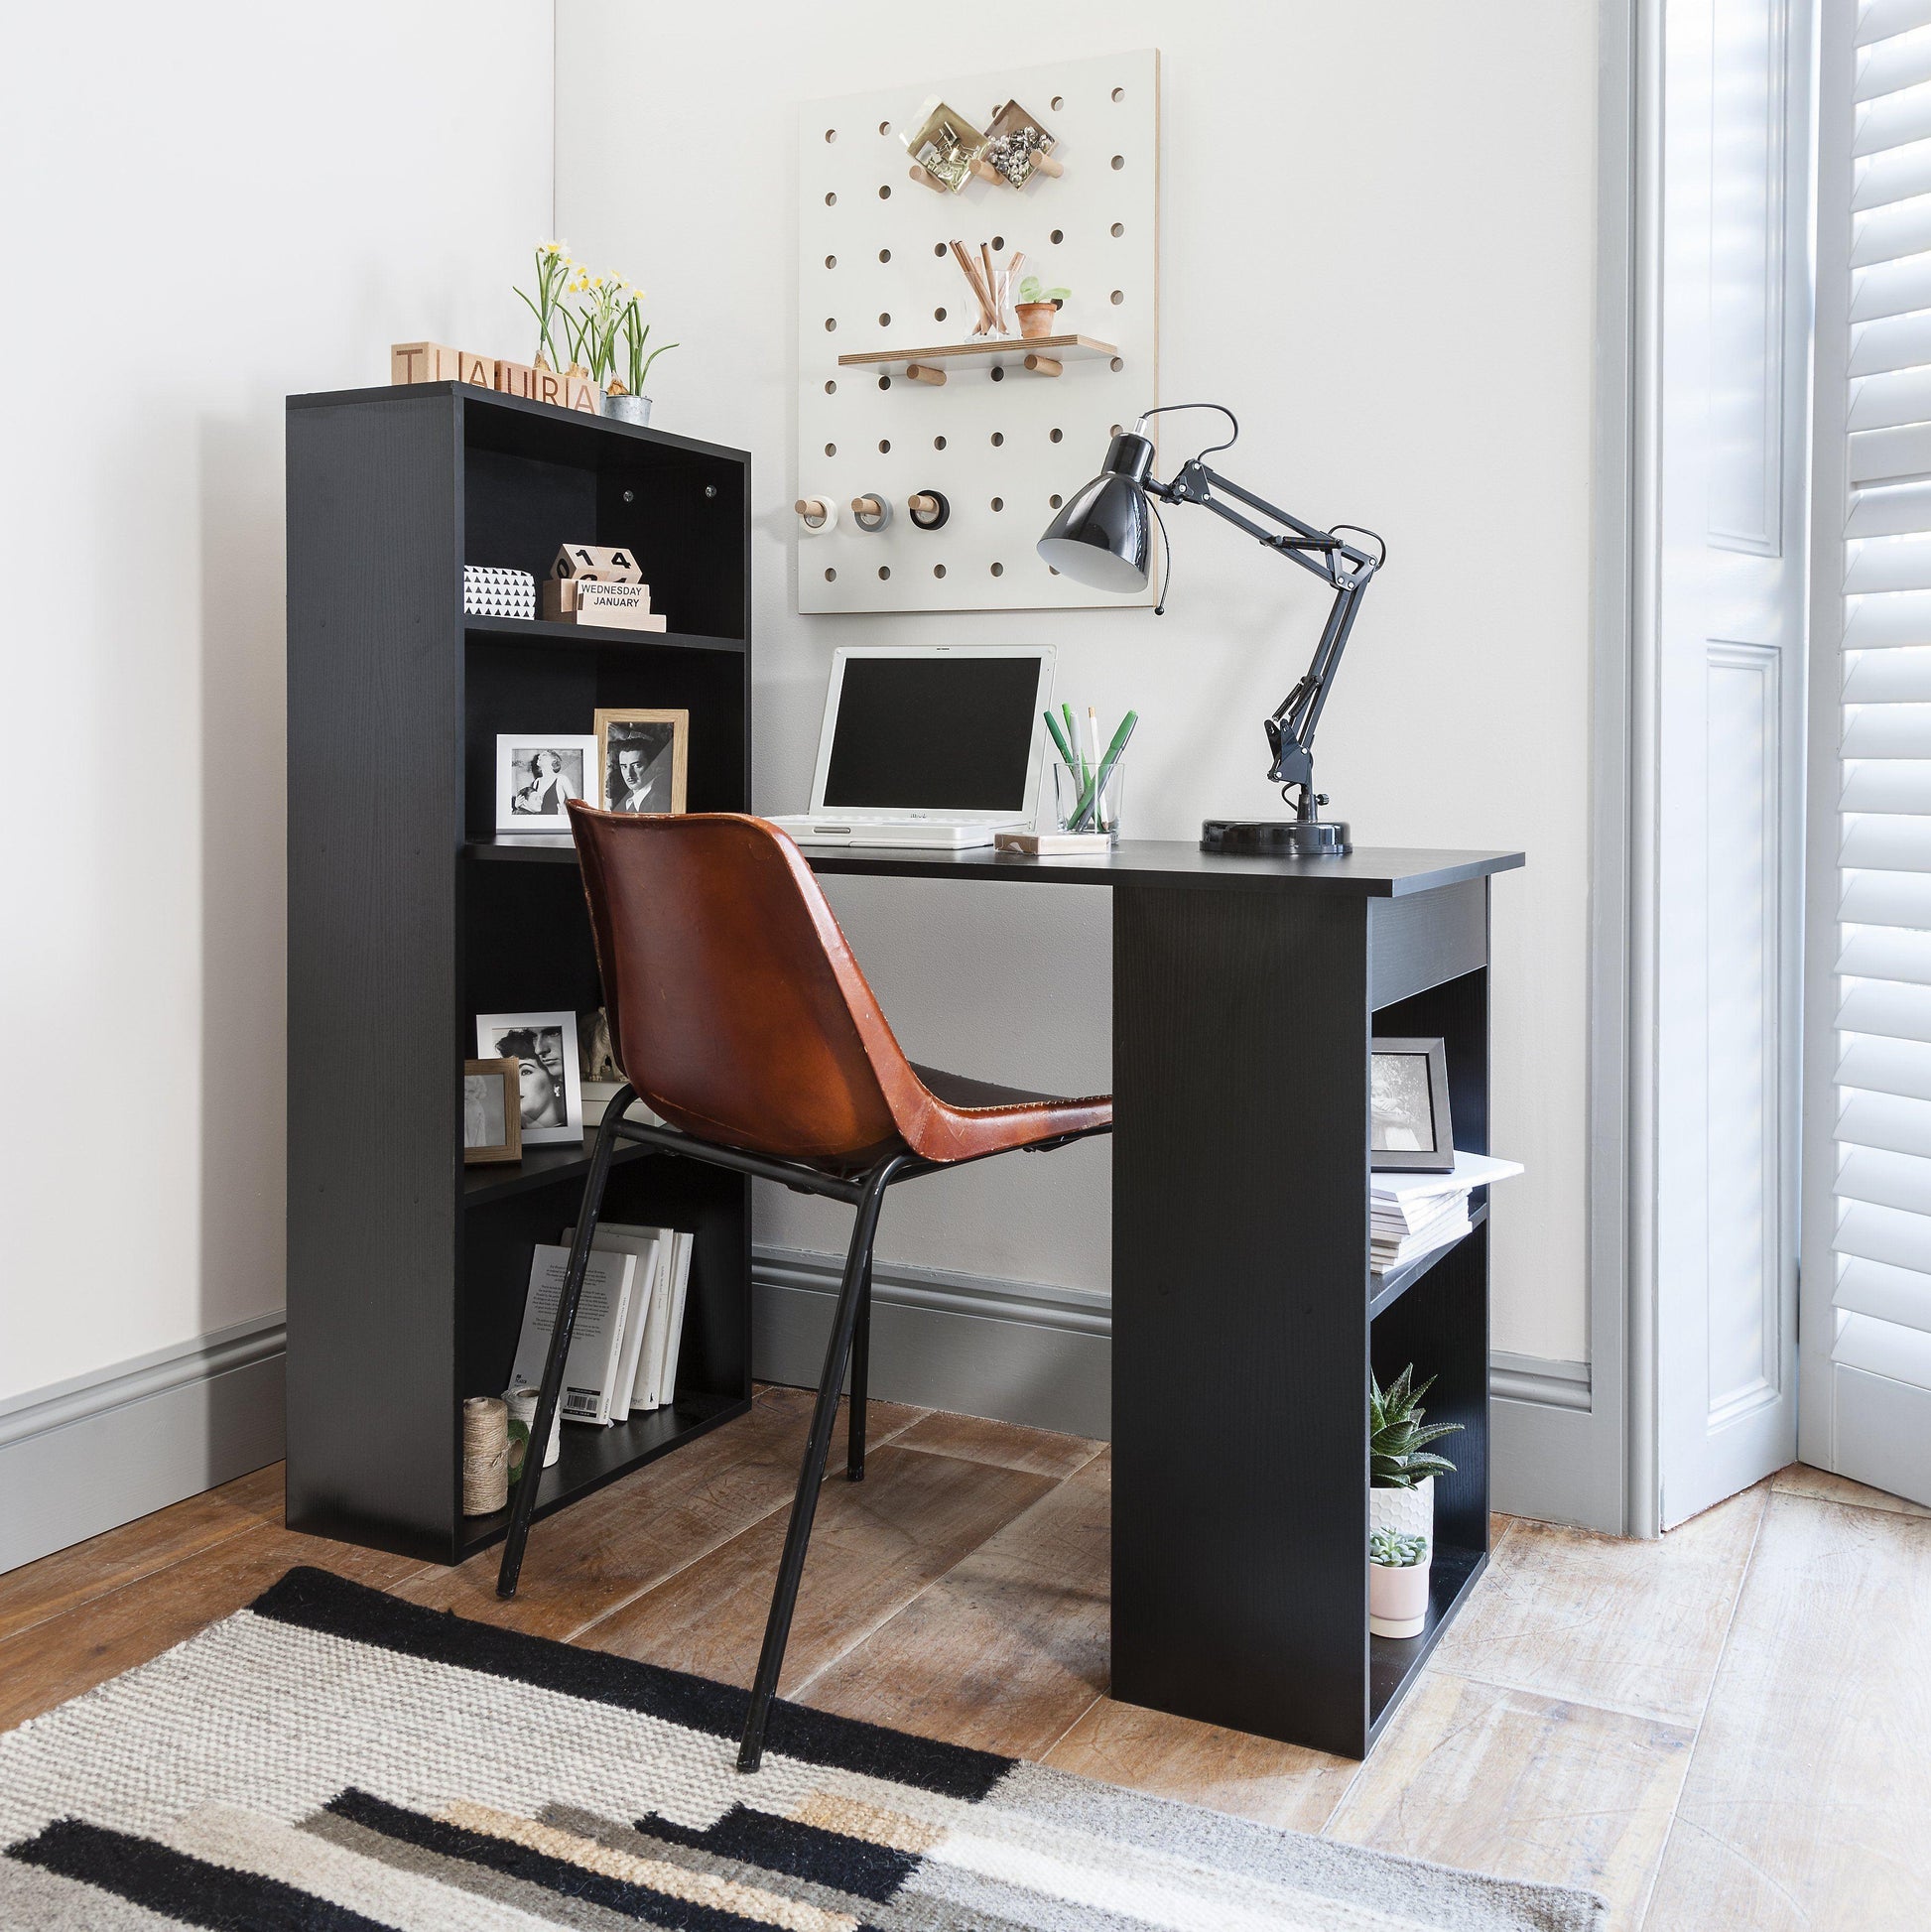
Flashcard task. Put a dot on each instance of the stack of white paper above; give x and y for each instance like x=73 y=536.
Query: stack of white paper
x=1414 y=1213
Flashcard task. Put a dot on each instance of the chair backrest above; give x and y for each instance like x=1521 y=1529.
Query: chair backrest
x=737 y=1009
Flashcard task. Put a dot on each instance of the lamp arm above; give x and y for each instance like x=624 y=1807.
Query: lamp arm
x=1291 y=727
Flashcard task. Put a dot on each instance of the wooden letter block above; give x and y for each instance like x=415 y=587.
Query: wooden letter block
x=549 y=386
x=423 y=362
x=474 y=368
x=596 y=563
x=580 y=392
x=516 y=378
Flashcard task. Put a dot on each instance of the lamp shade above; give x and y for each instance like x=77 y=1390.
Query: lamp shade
x=1102 y=537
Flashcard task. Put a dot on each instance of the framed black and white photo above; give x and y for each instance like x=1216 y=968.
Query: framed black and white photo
x=492 y=1111
x=640 y=759
x=1408 y=1108
x=549 y=1088
x=535 y=775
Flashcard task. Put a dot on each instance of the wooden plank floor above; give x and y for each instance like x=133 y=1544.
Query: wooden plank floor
x=1724 y=1730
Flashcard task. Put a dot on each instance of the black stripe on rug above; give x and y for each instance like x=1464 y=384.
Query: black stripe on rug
x=799 y=1850
x=187 y=1889
x=515 y=1860
x=316 y=1601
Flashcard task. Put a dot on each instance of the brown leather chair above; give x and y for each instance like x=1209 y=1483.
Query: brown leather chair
x=739 y=1016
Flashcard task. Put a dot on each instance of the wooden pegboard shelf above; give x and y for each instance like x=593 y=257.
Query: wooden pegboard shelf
x=999 y=351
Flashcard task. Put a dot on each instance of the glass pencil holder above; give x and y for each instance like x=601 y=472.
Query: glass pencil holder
x=1082 y=803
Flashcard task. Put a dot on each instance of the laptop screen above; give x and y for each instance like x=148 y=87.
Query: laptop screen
x=933 y=734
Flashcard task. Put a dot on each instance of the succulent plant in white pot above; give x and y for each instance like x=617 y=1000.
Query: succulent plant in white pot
x=1401 y=1503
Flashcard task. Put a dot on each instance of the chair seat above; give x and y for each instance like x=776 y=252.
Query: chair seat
x=969 y=1117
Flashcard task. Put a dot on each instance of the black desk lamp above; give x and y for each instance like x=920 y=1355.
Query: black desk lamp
x=1102 y=538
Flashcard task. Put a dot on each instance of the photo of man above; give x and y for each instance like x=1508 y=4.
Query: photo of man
x=642 y=755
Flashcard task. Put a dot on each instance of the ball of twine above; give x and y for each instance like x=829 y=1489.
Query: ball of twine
x=485 y=1455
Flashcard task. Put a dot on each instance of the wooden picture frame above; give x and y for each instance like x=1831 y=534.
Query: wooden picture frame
x=663 y=738
x=1409 y=1126
x=487 y=1112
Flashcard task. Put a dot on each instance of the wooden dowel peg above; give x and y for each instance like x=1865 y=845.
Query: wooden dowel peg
x=922 y=505
x=918 y=372
x=925 y=174
x=871 y=512
x=867 y=506
x=810 y=506
x=1044 y=164
x=1044 y=365
x=986 y=170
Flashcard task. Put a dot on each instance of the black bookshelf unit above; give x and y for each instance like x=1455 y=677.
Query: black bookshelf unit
x=406 y=1269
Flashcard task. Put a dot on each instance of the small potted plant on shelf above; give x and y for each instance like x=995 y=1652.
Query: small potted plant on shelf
x=1039 y=306
x=1401 y=1503
x=627 y=398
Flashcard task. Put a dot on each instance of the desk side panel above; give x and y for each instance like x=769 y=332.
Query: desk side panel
x=1240 y=1165
x=374 y=823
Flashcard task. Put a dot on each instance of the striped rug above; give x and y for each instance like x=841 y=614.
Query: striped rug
x=331 y=1757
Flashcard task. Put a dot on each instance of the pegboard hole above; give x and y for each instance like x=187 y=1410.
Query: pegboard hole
x=938 y=570
x=831 y=261
x=1118 y=296
x=884 y=445
x=885 y=321
x=1116 y=365
x=998 y=438
x=830 y=200
x=1119 y=161
x=998 y=244
x=885 y=193
x=937 y=314
x=830 y=323
x=884 y=571
x=1056 y=237
x=1114 y=431
x=831 y=577
x=1120 y=93
x=938 y=443
x=884 y=254
x=831 y=134
x=831 y=448
x=939 y=248
x=998 y=374
x=998 y=502
x=884 y=127
x=1120 y=228
x=998 y=570
x=885 y=382
x=1056 y=436
x=1054 y=502
x=1059 y=101
x=1052 y=569
x=831 y=388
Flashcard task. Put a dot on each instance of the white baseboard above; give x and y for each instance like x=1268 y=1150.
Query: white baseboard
x=98 y=1451
x=1027 y=1353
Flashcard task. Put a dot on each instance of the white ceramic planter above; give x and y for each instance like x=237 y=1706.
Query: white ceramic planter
x=1397 y=1599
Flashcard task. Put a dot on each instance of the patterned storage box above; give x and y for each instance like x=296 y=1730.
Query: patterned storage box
x=490 y=592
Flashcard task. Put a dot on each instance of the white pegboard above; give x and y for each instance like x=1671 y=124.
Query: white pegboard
x=871 y=246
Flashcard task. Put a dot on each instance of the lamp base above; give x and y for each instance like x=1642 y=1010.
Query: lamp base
x=1276 y=837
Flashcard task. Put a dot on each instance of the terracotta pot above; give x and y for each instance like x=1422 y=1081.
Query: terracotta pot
x=1037 y=319
x=1397 y=1600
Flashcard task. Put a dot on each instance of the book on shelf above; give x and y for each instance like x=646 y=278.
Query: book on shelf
x=596 y=1340
x=661 y=1328
x=644 y=1243
x=1411 y=1215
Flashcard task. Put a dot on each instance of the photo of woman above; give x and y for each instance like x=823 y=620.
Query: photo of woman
x=549 y=1081
x=537 y=777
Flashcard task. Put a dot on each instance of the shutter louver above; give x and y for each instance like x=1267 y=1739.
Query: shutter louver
x=1882 y=1239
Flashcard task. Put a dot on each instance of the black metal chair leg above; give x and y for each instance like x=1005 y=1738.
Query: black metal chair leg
x=818 y=1446
x=522 y=1497
x=854 y=1447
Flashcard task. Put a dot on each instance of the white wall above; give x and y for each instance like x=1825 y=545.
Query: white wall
x=1379 y=245
x=206 y=208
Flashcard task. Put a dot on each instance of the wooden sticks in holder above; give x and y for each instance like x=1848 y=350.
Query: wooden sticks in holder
x=991 y=288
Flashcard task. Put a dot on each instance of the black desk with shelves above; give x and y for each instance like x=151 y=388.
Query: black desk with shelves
x=1246 y=993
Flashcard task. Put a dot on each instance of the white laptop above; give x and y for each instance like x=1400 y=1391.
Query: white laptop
x=934 y=745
